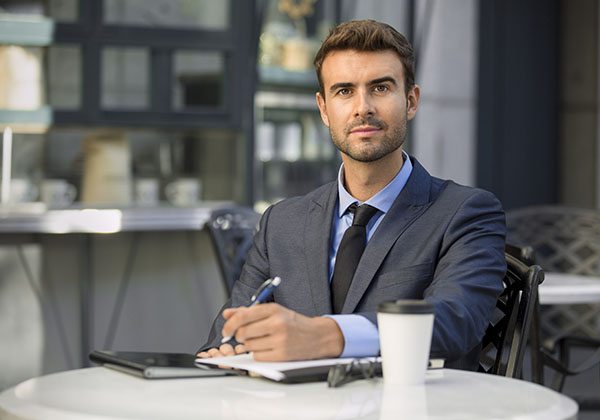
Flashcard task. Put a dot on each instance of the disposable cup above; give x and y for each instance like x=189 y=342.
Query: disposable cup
x=405 y=329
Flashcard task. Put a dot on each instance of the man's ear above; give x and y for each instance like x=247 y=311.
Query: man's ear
x=412 y=101
x=322 y=108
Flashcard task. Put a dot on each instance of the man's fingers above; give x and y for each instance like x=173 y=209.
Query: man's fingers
x=260 y=328
x=209 y=353
x=260 y=344
x=244 y=316
x=227 y=313
x=214 y=352
x=226 y=350
x=261 y=336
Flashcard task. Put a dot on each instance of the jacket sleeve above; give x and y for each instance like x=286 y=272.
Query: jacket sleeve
x=468 y=276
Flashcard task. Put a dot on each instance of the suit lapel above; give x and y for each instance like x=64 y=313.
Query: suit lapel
x=408 y=206
x=316 y=244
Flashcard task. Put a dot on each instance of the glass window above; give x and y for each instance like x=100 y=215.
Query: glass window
x=198 y=79
x=22 y=7
x=64 y=10
x=196 y=14
x=125 y=78
x=64 y=92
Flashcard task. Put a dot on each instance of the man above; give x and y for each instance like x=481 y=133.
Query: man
x=426 y=238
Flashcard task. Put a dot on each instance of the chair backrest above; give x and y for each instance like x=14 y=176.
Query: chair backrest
x=525 y=254
x=565 y=239
x=503 y=346
x=232 y=230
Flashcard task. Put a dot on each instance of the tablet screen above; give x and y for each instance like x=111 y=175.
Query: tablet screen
x=156 y=365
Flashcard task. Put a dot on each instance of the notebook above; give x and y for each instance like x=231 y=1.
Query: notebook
x=294 y=372
x=156 y=365
x=287 y=372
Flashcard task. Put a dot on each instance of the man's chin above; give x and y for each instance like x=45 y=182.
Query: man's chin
x=366 y=157
x=369 y=156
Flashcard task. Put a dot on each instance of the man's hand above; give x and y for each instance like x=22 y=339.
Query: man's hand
x=274 y=333
x=224 y=350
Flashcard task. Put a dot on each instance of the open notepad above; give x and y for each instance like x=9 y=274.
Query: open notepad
x=293 y=372
x=301 y=371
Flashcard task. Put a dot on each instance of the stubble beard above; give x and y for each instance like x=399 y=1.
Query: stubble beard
x=374 y=149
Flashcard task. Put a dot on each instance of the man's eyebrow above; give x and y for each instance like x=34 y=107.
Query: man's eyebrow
x=343 y=85
x=383 y=80
x=340 y=85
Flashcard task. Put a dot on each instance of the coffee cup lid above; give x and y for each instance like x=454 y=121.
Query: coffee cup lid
x=406 y=306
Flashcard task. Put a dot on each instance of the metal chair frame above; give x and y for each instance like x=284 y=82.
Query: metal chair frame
x=565 y=240
x=504 y=343
x=232 y=232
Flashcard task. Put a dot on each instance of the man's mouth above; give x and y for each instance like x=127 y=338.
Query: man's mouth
x=365 y=129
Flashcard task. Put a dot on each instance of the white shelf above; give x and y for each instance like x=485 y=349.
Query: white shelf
x=286 y=100
x=30 y=121
x=26 y=30
x=279 y=76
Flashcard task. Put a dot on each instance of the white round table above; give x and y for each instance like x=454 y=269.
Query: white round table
x=569 y=289
x=100 y=393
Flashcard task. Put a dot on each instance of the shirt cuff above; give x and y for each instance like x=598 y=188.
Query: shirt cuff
x=361 y=337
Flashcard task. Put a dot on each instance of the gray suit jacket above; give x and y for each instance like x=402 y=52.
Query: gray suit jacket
x=440 y=241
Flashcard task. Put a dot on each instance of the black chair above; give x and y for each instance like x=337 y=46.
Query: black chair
x=526 y=255
x=565 y=240
x=232 y=230
x=505 y=340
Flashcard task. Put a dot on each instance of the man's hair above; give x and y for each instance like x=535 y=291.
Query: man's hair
x=367 y=35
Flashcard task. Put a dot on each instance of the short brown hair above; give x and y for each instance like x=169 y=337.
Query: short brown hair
x=368 y=35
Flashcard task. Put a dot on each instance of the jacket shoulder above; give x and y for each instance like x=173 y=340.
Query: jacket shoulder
x=450 y=190
x=321 y=196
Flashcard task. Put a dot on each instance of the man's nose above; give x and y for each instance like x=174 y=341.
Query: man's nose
x=364 y=105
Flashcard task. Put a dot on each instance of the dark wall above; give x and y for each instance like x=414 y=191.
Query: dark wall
x=518 y=101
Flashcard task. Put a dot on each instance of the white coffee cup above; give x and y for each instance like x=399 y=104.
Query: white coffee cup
x=58 y=193
x=146 y=191
x=405 y=329
x=22 y=191
x=183 y=192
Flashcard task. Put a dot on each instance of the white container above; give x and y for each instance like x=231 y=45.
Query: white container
x=22 y=190
x=183 y=192
x=57 y=193
x=147 y=192
x=21 y=77
x=107 y=169
x=405 y=329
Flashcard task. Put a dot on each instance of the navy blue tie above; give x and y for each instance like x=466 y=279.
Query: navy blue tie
x=349 y=253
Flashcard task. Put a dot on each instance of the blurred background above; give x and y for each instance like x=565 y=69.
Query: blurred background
x=148 y=106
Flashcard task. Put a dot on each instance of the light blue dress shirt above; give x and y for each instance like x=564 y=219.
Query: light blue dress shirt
x=360 y=335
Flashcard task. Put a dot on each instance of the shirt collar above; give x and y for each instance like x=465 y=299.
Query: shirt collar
x=384 y=199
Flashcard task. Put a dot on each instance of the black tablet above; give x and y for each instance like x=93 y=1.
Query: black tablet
x=156 y=365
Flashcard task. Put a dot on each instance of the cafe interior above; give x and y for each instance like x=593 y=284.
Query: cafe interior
x=143 y=139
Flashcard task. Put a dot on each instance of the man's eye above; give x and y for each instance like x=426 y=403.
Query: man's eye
x=343 y=92
x=381 y=88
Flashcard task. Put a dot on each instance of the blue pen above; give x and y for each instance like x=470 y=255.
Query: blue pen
x=261 y=295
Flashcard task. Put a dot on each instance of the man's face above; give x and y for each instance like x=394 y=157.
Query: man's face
x=364 y=103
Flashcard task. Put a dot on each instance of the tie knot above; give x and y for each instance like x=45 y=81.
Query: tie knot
x=362 y=214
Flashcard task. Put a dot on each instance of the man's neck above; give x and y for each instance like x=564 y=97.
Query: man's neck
x=365 y=179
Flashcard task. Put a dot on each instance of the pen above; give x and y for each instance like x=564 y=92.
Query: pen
x=261 y=295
